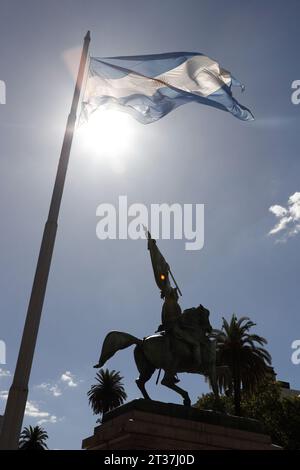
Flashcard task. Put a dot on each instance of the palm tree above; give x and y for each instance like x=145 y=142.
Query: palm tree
x=108 y=393
x=244 y=355
x=33 y=439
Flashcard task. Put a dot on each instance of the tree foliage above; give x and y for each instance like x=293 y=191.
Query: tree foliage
x=107 y=393
x=279 y=415
x=243 y=353
x=33 y=438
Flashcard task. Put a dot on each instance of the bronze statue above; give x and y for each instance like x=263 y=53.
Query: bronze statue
x=182 y=342
x=174 y=324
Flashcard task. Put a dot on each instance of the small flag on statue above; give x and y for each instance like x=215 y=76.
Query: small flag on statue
x=160 y=266
x=150 y=86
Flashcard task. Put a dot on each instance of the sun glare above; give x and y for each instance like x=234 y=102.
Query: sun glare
x=108 y=134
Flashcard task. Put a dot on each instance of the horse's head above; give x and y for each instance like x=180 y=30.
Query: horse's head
x=199 y=317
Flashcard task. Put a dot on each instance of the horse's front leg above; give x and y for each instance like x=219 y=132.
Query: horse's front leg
x=168 y=381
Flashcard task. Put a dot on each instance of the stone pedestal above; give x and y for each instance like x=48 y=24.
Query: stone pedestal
x=151 y=425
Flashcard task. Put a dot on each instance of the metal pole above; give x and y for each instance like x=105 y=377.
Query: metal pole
x=17 y=397
x=176 y=285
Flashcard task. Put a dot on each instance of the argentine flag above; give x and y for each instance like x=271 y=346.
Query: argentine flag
x=150 y=86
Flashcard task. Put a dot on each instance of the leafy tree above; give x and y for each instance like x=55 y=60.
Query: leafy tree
x=244 y=355
x=290 y=422
x=279 y=415
x=107 y=393
x=208 y=401
x=33 y=438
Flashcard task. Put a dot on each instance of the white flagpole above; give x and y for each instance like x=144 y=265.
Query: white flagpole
x=17 y=397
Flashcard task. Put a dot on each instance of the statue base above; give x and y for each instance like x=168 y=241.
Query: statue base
x=152 y=425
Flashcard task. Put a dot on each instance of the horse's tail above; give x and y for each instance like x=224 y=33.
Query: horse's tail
x=114 y=341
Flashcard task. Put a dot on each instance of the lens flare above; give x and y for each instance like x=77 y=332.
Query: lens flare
x=108 y=134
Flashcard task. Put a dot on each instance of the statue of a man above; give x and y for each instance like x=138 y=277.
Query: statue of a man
x=171 y=323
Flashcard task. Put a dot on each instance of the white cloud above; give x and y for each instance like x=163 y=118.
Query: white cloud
x=52 y=419
x=33 y=411
x=279 y=211
x=53 y=389
x=69 y=379
x=288 y=224
x=4 y=373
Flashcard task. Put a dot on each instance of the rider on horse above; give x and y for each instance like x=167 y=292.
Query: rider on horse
x=172 y=324
x=186 y=327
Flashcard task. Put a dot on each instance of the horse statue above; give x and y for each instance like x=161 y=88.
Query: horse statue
x=169 y=352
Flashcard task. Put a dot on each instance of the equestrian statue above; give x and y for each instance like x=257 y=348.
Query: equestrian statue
x=184 y=341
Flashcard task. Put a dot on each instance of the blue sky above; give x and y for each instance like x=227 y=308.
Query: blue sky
x=194 y=155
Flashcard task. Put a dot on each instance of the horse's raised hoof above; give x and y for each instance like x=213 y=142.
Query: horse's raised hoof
x=187 y=402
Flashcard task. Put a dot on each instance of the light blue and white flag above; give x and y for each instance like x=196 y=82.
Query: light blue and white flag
x=150 y=86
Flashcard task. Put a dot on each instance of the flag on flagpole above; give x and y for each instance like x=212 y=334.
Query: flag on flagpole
x=160 y=266
x=150 y=86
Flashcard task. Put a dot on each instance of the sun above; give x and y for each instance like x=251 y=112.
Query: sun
x=108 y=135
